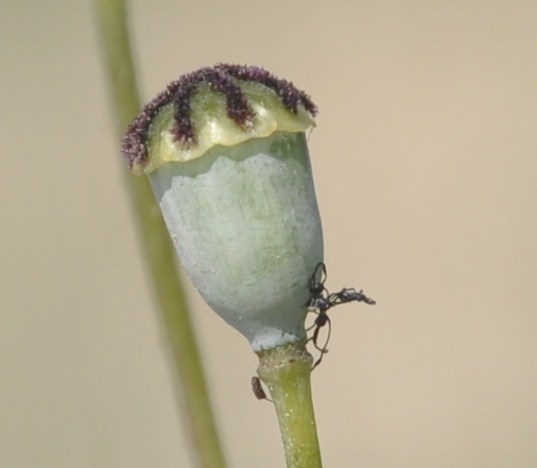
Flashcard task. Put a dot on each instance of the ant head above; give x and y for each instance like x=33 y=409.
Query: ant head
x=317 y=280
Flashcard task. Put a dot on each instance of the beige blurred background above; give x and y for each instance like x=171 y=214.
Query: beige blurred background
x=425 y=160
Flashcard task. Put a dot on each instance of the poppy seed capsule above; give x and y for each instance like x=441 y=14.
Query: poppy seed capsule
x=226 y=154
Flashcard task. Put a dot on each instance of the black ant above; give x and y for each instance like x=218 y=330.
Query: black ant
x=322 y=300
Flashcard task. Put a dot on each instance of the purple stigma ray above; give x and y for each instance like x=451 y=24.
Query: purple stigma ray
x=221 y=78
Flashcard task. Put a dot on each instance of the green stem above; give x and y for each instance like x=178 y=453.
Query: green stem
x=286 y=370
x=157 y=248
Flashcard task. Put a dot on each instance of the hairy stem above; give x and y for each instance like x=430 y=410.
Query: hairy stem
x=286 y=370
x=157 y=248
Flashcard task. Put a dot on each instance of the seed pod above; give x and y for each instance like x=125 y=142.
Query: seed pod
x=226 y=154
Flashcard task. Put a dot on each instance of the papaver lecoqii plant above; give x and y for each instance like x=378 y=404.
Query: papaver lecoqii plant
x=226 y=153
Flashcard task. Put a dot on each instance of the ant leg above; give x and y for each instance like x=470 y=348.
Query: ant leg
x=316 y=311
x=324 y=349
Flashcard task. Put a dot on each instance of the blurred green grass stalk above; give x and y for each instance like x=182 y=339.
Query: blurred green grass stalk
x=156 y=246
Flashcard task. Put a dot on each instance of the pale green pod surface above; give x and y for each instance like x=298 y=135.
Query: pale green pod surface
x=245 y=222
x=226 y=154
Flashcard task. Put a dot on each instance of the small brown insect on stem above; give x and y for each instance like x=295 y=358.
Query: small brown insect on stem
x=257 y=388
